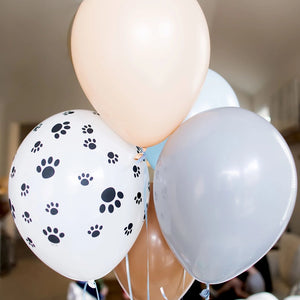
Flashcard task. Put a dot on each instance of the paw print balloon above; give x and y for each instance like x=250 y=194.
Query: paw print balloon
x=71 y=200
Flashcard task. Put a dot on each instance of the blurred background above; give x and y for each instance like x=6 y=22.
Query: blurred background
x=255 y=46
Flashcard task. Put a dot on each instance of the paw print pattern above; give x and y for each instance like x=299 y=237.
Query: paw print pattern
x=69 y=112
x=87 y=129
x=26 y=217
x=95 y=231
x=24 y=190
x=60 y=128
x=139 y=149
x=13 y=172
x=12 y=209
x=90 y=143
x=112 y=157
x=47 y=171
x=96 y=113
x=52 y=208
x=37 y=146
x=36 y=128
x=53 y=235
x=30 y=242
x=138 y=198
x=108 y=196
x=136 y=171
x=128 y=229
x=85 y=179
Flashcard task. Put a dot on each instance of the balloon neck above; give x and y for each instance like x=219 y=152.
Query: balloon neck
x=92 y=284
x=205 y=293
x=141 y=155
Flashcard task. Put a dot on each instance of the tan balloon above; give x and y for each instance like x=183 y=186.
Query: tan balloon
x=141 y=63
x=164 y=269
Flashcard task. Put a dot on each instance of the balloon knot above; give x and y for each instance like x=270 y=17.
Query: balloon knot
x=205 y=293
x=141 y=155
x=92 y=284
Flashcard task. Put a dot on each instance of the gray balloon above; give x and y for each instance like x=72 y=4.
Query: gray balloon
x=224 y=189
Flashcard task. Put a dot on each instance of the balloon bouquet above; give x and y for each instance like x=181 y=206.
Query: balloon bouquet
x=225 y=181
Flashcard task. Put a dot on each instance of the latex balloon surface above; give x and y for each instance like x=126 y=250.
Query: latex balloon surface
x=216 y=92
x=164 y=269
x=73 y=187
x=139 y=61
x=224 y=188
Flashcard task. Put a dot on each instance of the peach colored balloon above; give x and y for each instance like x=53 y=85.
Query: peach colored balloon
x=164 y=269
x=141 y=63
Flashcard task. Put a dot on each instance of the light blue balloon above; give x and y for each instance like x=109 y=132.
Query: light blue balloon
x=152 y=153
x=216 y=92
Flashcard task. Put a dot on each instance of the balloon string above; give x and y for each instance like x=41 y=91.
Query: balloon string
x=84 y=290
x=147 y=243
x=97 y=292
x=183 y=280
x=146 y=186
x=163 y=293
x=128 y=277
x=205 y=293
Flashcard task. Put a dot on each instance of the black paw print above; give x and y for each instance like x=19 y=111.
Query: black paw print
x=128 y=229
x=85 y=179
x=95 y=231
x=36 y=128
x=60 y=128
x=13 y=172
x=69 y=112
x=52 y=208
x=47 y=171
x=112 y=157
x=87 y=129
x=37 y=146
x=96 y=113
x=108 y=195
x=26 y=217
x=24 y=189
x=12 y=209
x=136 y=171
x=30 y=242
x=138 y=198
x=53 y=236
x=90 y=143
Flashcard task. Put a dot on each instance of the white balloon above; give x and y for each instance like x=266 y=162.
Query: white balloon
x=215 y=92
x=77 y=194
x=224 y=188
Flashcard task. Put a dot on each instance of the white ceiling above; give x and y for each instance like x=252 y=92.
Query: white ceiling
x=250 y=41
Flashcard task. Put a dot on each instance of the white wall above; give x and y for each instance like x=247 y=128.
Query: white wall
x=295 y=220
x=288 y=71
x=245 y=100
x=39 y=77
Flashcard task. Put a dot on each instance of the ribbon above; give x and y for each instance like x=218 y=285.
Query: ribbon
x=128 y=277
